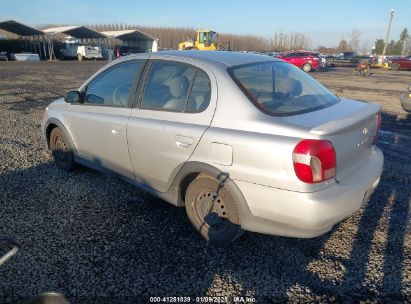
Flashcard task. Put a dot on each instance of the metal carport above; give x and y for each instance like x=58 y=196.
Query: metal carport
x=80 y=32
x=34 y=38
x=146 y=43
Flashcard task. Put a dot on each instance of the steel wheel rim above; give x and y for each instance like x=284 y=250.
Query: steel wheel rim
x=60 y=149
x=211 y=210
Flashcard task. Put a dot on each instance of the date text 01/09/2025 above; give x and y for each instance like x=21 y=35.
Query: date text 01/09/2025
x=202 y=299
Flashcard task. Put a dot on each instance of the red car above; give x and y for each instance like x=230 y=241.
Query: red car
x=307 y=61
x=403 y=63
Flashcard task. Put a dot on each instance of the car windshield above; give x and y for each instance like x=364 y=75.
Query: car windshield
x=279 y=88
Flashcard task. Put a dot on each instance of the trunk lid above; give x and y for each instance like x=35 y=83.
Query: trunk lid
x=351 y=127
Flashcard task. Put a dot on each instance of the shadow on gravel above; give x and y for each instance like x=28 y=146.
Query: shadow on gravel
x=24 y=104
x=97 y=239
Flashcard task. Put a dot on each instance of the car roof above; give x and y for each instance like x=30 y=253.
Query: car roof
x=227 y=58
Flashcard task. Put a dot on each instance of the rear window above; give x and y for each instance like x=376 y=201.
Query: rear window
x=281 y=89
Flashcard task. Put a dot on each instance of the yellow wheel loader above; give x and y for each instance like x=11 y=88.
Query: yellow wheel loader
x=205 y=41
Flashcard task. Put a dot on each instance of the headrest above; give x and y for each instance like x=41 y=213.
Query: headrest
x=179 y=86
x=290 y=86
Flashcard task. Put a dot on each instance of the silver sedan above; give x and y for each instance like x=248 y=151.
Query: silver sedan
x=242 y=141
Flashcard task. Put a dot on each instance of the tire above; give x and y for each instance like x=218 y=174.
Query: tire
x=80 y=57
x=395 y=67
x=61 y=150
x=306 y=67
x=212 y=210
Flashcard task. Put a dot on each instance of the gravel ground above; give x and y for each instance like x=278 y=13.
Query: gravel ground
x=97 y=239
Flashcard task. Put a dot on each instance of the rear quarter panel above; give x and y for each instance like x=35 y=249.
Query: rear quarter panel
x=261 y=145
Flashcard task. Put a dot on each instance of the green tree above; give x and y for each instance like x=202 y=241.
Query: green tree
x=379 y=46
x=404 y=35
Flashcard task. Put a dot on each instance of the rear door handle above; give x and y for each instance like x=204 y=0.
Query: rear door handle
x=183 y=141
x=116 y=130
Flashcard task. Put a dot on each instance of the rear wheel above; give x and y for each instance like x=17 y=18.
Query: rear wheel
x=212 y=210
x=395 y=67
x=306 y=67
x=61 y=150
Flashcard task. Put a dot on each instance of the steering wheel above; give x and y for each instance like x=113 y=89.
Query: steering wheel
x=120 y=95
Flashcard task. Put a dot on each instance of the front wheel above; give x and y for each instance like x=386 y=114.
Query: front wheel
x=395 y=67
x=306 y=67
x=61 y=150
x=211 y=208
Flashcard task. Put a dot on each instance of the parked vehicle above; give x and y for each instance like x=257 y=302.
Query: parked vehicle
x=80 y=52
x=305 y=60
x=345 y=59
x=362 y=68
x=3 y=56
x=243 y=141
x=347 y=55
x=405 y=99
x=125 y=50
x=402 y=63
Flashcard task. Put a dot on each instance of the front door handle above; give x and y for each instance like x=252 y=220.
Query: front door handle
x=116 y=130
x=183 y=141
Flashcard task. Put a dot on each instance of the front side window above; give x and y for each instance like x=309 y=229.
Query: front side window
x=112 y=88
x=279 y=88
x=174 y=86
x=289 y=55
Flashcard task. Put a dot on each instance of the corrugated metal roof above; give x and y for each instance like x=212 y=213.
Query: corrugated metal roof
x=128 y=35
x=76 y=31
x=19 y=28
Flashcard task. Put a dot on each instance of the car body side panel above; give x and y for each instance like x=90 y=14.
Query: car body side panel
x=156 y=149
x=57 y=113
x=161 y=141
x=404 y=63
x=99 y=134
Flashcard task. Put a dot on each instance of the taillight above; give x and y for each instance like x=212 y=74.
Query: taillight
x=314 y=160
x=378 y=128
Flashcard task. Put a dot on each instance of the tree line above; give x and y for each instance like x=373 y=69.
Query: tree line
x=170 y=37
x=399 y=47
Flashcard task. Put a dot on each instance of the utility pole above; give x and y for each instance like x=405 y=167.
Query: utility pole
x=388 y=32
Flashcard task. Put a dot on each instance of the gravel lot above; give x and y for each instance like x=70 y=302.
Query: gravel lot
x=97 y=239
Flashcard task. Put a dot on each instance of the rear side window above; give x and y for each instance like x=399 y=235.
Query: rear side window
x=173 y=86
x=112 y=88
x=200 y=93
x=281 y=89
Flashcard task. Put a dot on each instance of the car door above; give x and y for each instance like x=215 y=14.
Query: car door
x=98 y=123
x=174 y=110
x=289 y=58
x=300 y=59
x=407 y=63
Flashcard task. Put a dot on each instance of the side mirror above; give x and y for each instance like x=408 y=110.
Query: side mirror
x=72 y=96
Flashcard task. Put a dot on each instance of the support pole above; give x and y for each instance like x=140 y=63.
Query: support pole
x=387 y=34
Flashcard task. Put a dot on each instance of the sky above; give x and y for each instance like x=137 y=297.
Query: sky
x=324 y=22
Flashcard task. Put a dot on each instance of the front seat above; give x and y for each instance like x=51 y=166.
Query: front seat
x=179 y=86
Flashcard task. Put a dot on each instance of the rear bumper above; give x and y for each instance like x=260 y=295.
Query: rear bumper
x=281 y=212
